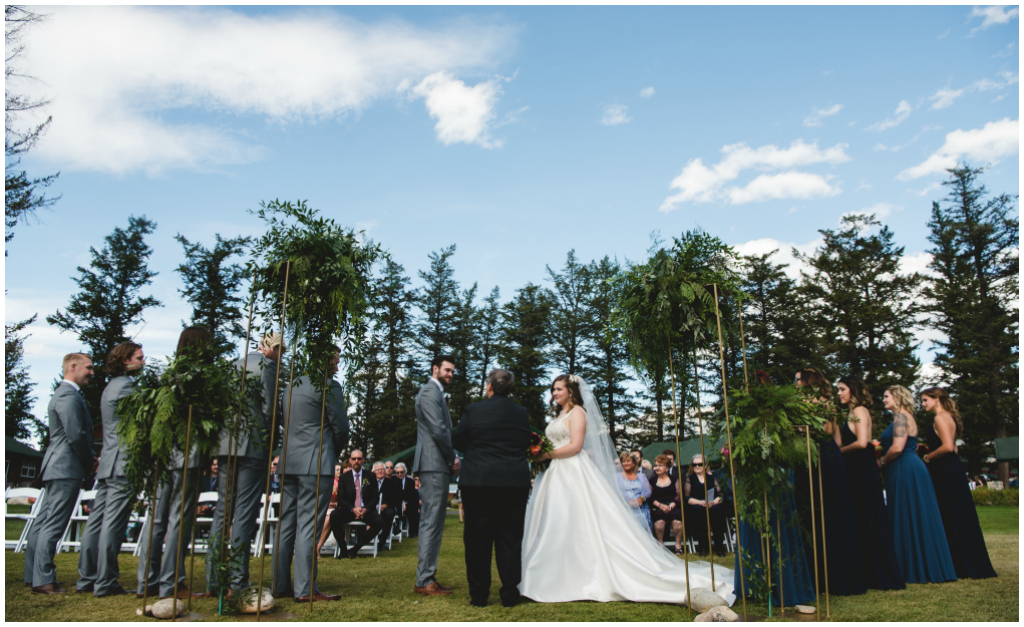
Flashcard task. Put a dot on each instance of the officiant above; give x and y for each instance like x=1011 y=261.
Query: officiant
x=494 y=436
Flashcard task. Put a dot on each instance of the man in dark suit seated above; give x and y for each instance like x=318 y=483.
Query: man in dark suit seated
x=357 y=501
x=410 y=499
x=390 y=498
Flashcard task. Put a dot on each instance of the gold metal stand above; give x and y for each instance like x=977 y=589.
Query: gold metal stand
x=707 y=505
x=149 y=544
x=679 y=480
x=316 y=500
x=184 y=489
x=824 y=543
x=814 y=532
x=284 y=453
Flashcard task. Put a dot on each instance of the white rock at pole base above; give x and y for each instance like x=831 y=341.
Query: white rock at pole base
x=702 y=600
x=164 y=608
x=248 y=604
x=718 y=614
x=806 y=609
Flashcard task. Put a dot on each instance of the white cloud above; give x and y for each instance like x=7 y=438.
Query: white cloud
x=814 y=119
x=903 y=110
x=784 y=255
x=879 y=210
x=987 y=145
x=646 y=92
x=615 y=114
x=945 y=97
x=993 y=15
x=462 y=112
x=916 y=263
x=116 y=74
x=1008 y=78
x=698 y=183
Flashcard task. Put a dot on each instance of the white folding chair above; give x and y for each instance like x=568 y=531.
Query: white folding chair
x=387 y=543
x=77 y=523
x=265 y=533
x=205 y=498
x=351 y=537
x=25 y=493
x=135 y=521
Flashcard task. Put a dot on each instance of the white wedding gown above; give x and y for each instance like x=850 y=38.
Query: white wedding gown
x=580 y=542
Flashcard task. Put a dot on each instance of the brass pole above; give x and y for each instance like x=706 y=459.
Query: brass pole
x=316 y=500
x=232 y=486
x=778 y=527
x=707 y=508
x=824 y=542
x=192 y=547
x=149 y=549
x=768 y=553
x=814 y=532
x=732 y=469
x=743 y=347
x=184 y=489
x=270 y=453
x=679 y=477
x=284 y=456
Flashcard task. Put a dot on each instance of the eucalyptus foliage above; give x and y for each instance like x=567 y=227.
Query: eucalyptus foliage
x=328 y=282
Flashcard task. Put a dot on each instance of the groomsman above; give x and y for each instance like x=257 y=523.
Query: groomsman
x=299 y=486
x=251 y=463
x=435 y=463
x=104 y=532
x=68 y=459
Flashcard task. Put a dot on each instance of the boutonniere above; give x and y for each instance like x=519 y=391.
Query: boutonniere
x=366 y=482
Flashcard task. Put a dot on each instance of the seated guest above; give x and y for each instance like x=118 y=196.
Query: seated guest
x=697 y=486
x=357 y=501
x=407 y=487
x=643 y=465
x=414 y=530
x=673 y=470
x=389 y=499
x=330 y=508
x=275 y=478
x=665 y=503
x=636 y=489
x=208 y=484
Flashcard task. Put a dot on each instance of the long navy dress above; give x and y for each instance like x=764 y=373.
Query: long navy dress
x=917 y=532
x=878 y=566
x=960 y=519
x=797 y=581
x=844 y=577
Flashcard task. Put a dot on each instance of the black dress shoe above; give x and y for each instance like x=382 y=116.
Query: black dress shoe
x=116 y=592
x=84 y=590
x=50 y=588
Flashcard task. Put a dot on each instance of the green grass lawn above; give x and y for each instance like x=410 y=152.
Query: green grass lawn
x=381 y=589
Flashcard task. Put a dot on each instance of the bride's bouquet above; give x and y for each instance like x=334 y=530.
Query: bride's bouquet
x=538 y=444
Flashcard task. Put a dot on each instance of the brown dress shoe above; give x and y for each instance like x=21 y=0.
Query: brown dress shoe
x=50 y=588
x=281 y=595
x=431 y=589
x=444 y=587
x=318 y=597
x=184 y=593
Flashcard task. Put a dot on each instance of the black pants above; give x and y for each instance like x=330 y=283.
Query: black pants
x=697 y=526
x=494 y=517
x=412 y=511
x=341 y=517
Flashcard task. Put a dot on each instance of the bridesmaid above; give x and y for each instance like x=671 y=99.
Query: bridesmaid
x=844 y=576
x=917 y=531
x=878 y=566
x=960 y=519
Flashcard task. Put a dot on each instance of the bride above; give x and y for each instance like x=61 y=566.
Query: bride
x=580 y=541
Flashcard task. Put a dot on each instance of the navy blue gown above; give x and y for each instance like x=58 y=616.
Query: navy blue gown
x=797 y=581
x=960 y=519
x=878 y=566
x=917 y=532
x=844 y=577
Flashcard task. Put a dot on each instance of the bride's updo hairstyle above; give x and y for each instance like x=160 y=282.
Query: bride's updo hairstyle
x=575 y=396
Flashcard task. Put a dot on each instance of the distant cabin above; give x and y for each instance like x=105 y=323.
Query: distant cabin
x=22 y=464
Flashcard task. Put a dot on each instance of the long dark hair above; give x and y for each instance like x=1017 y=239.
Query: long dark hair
x=813 y=379
x=947 y=403
x=195 y=340
x=575 y=396
x=859 y=395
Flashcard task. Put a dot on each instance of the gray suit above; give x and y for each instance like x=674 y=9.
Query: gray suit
x=108 y=520
x=434 y=456
x=251 y=469
x=299 y=531
x=67 y=459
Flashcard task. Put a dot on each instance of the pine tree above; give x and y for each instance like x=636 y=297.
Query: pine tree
x=866 y=308
x=464 y=341
x=572 y=323
x=18 y=398
x=523 y=348
x=975 y=243
x=489 y=329
x=211 y=285
x=109 y=300
x=437 y=300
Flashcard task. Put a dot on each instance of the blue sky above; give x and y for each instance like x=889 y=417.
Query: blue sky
x=517 y=133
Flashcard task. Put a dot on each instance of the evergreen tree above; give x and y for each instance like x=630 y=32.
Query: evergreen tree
x=437 y=300
x=109 y=300
x=523 y=348
x=865 y=308
x=211 y=285
x=489 y=329
x=572 y=321
x=975 y=243
x=464 y=342
x=18 y=398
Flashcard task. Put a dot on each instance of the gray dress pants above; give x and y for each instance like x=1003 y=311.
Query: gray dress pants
x=167 y=520
x=434 y=494
x=299 y=532
x=251 y=478
x=47 y=529
x=104 y=533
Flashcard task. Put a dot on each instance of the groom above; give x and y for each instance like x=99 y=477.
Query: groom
x=435 y=463
x=494 y=436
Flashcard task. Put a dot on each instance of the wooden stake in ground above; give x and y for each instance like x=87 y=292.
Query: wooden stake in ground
x=270 y=452
x=732 y=470
x=184 y=489
x=149 y=544
x=679 y=480
x=707 y=506
x=316 y=500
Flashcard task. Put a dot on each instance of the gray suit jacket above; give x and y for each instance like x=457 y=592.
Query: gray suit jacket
x=112 y=458
x=304 y=428
x=69 y=454
x=266 y=370
x=434 y=452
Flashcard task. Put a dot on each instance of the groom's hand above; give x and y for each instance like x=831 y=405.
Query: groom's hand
x=456 y=465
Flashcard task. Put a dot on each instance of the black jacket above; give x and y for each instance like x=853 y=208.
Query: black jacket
x=493 y=436
x=347 y=490
x=392 y=493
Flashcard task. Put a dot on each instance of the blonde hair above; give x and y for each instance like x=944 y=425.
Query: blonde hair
x=74 y=358
x=272 y=339
x=904 y=399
